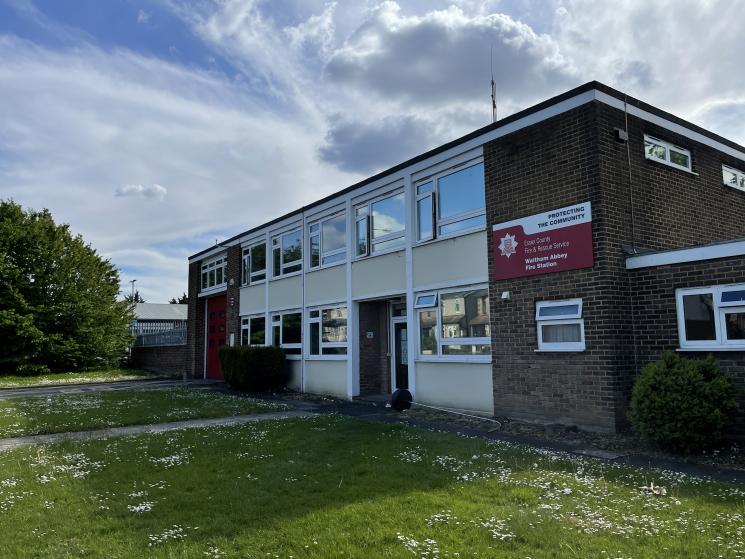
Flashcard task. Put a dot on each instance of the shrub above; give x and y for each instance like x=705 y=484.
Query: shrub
x=682 y=404
x=254 y=368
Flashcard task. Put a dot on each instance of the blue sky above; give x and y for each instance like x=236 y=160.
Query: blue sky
x=154 y=127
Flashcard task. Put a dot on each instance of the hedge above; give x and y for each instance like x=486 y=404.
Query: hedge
x=254 y=368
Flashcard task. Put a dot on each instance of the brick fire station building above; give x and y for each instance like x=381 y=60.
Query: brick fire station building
x=528 y=269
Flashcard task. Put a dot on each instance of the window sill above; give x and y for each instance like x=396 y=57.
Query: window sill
x=557 y=350
x=253 y=283
x=706 y=349
x=327 y=266
x=213 y=290
x=485 y=360
x=671 y=165
x=285 y=276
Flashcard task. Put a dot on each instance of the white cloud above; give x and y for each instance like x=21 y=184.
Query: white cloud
x=151 y=191
x=143 y=17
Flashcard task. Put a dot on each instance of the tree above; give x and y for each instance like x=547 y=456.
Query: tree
x=183 y=300
x=137 y=298
x=58 y=298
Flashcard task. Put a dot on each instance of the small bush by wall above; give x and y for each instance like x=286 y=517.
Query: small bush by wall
x=683 y=404
x=254 y=368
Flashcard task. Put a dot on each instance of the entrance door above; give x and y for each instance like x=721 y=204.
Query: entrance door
x=401 y=354
x=216 y=332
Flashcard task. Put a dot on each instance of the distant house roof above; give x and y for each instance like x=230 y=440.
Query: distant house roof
x=160 y=311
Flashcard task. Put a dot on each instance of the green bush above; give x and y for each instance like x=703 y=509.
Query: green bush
x=254 y=368
x=683 y=404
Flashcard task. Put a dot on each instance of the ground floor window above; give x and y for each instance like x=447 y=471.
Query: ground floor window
x=287 y=331
x=454 y=323
x=253 y=330
x=712 y=317
x=327 y=331
x=560 y=325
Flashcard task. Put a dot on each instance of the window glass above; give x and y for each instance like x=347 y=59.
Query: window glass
x=428 y=300
x=424 y=188
x=338 y=257
x=212 y=278
x=462 y=191
x=735 y=324
x=390 y=244
x=335 y=325
x=465 y=315
x=275 y=335
x=315 y=251
x=679 y=158
x=276 y=258
x=424 y=217
x=698 y=313
x=653 y=149
x=471 y=222
x=291 y=329
x=258 y=330
x=258 y=262
x=334 y=351
x=315 y=344
x=733 y=296
x=388 y=216
x=244 y=336
x=466 y=349
x=428 y=332
x=292 y=248
x=361 y=236
x=334 y=233
x=729 y=177
x=558 y=310
x=561 y=333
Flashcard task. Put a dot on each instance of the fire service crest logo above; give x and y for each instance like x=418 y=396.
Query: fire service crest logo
x=508 y=245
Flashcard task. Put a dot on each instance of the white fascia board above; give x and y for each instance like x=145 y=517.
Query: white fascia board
x=672 y=126
x=679 y=256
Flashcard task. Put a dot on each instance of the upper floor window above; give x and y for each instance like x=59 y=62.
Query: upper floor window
x=380 y=225
x=451 y=202
x=560 y=325
x=458 y=326
x=328 y=241
x=711 y=317
x=287 y=253
x=733 y=177
x=253 y=264
x=665 y=152
x=213 y=273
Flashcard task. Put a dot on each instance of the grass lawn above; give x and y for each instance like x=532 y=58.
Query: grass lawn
x=329 y=487
x=52 y=379
x=98 y=410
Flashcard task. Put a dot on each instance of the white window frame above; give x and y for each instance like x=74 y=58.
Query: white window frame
x=568 y=318
x=246 y=325
x=280 y=323
x=739 y=177
x=277 y=242
x=668 y=146
x=220 y=263
x=366 y=222
x=721 y=342
x=439 y=355
x=321 y=344
x=434 y=195
x=247 y=276
x=321 y=252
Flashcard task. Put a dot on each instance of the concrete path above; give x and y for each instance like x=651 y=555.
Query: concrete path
x=82 y=388
x=9 y=444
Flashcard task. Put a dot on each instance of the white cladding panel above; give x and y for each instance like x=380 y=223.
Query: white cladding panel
x=295 y=380
x=325 y=286
x=285 y=293
x=326 y=377
x=252 y=300
x=464 y=386
x=450 y=260
x=379 y=275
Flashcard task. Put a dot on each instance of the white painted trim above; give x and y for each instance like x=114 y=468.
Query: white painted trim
x=473 y=156
x=411 y=316
x=664 y=123
x=379 y=295
x=682 y=255
x=478 y=283
x=392 y=321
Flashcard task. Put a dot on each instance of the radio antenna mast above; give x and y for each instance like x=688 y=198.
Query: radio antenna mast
x=493 y=88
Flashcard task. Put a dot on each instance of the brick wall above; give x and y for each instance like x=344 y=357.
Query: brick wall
x=655 y=313
x=375 y=371
x=195 y=325
x=233 y=294
x=171 y=360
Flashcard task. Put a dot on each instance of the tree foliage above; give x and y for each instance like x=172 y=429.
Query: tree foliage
x=183 y=300
x=58 y=298
x=136 y=298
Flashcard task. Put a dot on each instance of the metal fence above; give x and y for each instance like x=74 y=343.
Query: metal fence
x=177 y=336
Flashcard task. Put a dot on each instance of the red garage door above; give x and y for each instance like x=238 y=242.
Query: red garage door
x=216 y=333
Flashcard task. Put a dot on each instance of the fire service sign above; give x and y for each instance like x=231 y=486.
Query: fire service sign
x=554 y=241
